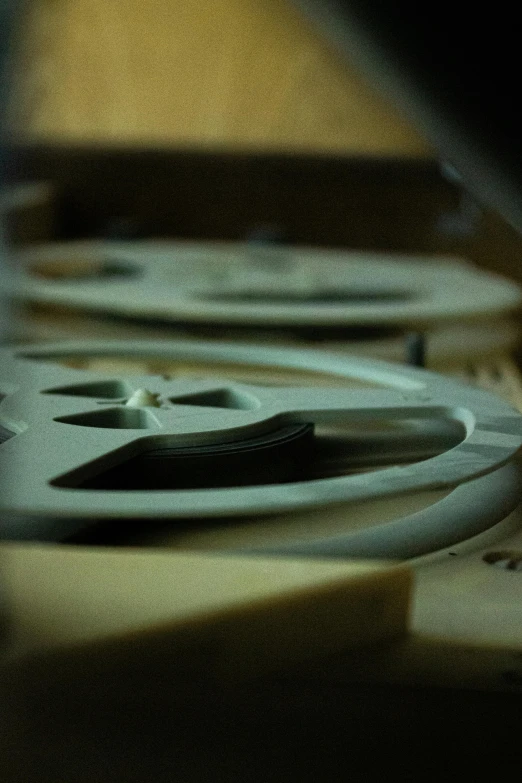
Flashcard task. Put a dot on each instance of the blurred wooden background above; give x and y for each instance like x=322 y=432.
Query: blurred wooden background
x=234 y=74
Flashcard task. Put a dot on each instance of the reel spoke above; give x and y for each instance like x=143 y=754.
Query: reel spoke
x=352 y=404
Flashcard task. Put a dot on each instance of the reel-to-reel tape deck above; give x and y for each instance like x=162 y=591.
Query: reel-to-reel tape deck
x=212 y=474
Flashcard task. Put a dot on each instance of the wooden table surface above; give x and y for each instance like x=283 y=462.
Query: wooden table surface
x=226 y=73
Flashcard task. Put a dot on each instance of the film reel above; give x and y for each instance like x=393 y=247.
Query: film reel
x=190 y=432
x=452 y=346
x=259 y=285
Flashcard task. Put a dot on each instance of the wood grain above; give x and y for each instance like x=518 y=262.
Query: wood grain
x=226 y=73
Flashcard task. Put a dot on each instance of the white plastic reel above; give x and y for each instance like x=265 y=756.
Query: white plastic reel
x=64 y=425
x=233 y=283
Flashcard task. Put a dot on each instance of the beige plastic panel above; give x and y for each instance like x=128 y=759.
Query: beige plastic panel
x=221 y=618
